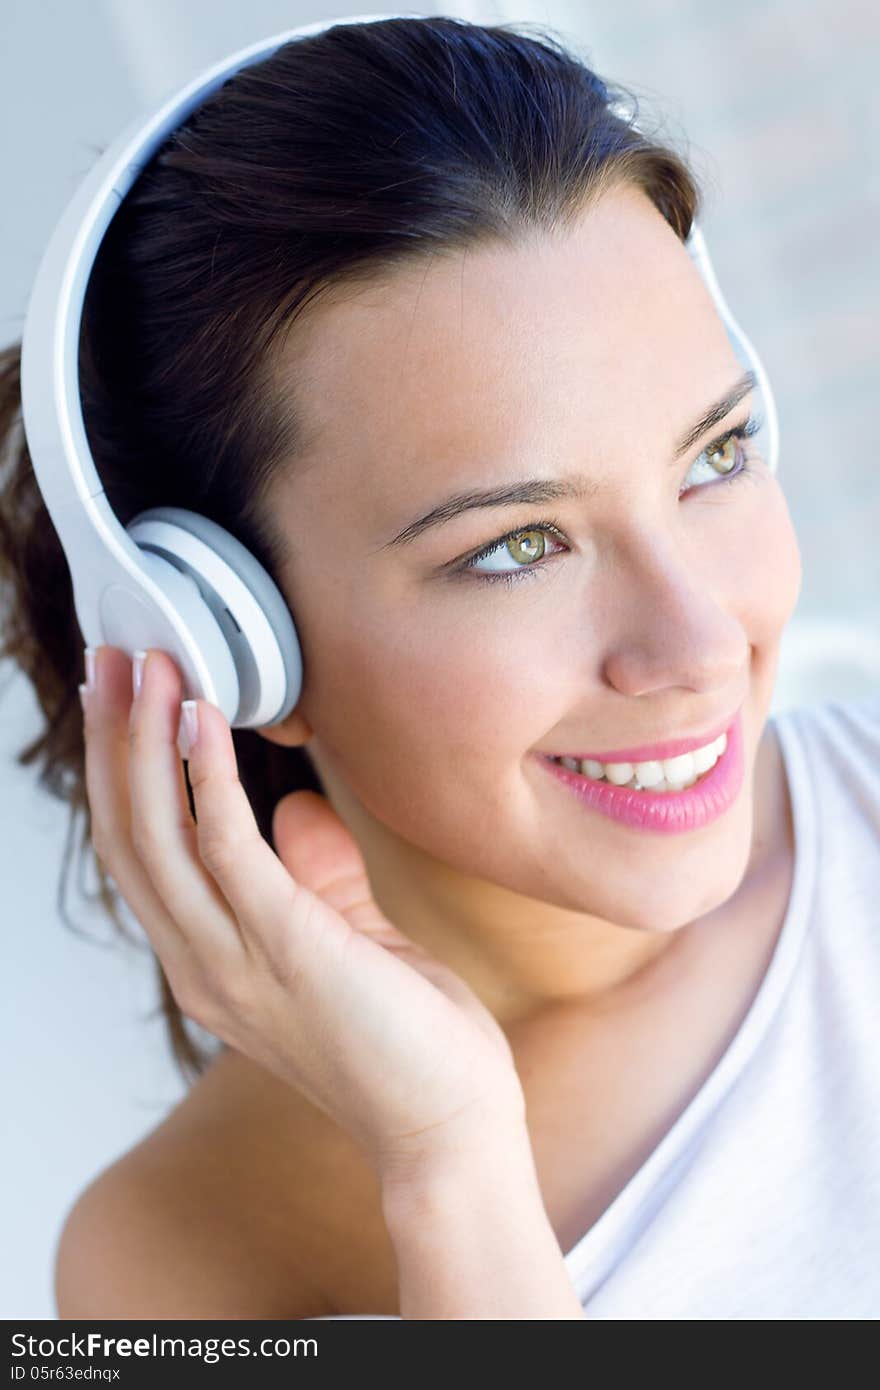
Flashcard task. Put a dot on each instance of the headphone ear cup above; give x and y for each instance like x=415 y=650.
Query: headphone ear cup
x=249 y=608
x=158 y=605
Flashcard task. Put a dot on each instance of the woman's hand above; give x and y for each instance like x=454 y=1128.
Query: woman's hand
x=286 y=956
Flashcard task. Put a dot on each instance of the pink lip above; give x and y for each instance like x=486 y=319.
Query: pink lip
x=664 y=813
x=653 y=752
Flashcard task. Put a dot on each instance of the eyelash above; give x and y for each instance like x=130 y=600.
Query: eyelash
x=511 y=577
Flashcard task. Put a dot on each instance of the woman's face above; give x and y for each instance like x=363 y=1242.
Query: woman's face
x=654 y=611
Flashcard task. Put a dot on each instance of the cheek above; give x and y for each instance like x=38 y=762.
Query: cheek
x=765 y=566
x=428 y=711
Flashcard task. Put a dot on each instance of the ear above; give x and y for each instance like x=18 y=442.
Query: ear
x=291 y=732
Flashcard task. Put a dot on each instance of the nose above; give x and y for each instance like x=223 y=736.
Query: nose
x=673 y=626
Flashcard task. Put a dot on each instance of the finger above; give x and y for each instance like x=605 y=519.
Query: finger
x=163 y=834
x=106 y=734
x=223 y=858
x=318 y=850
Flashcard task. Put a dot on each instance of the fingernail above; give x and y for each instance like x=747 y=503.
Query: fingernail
x=91 y=679
x=137 y=672
x=188 y=730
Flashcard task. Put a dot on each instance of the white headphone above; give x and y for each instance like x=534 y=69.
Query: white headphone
x=172 y=579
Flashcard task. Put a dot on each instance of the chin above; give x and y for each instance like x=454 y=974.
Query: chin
x=644 y=911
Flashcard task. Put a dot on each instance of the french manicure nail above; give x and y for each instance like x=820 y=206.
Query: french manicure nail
x=188 y=730
x=137 y=671
x=91 y=679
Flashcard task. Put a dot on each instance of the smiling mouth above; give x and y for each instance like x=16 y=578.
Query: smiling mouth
x=660 y=776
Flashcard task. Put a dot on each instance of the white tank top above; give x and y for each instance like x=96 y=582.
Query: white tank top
x=763 y=1199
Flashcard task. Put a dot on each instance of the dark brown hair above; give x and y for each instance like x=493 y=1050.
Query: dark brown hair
x=339 y=157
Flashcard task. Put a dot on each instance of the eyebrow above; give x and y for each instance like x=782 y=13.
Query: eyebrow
x=576 y=486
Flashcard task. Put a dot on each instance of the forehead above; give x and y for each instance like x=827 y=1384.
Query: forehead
x=468 y=367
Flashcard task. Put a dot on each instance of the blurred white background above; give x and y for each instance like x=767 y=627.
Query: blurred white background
x=778 y=104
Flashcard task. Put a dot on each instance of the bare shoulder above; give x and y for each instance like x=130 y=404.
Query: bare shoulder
x=246 y=1201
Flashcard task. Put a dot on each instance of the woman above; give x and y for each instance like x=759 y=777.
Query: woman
x=514 y=1025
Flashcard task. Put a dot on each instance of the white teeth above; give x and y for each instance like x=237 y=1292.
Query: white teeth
x=649 y=774
x=704 y=758
x=670 y=775
x=679 y=770
x=619 y=773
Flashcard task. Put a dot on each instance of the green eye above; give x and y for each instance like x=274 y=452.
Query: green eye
x=722 y=460
x=526 y=546
x=726 y=462
x=721 y=457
